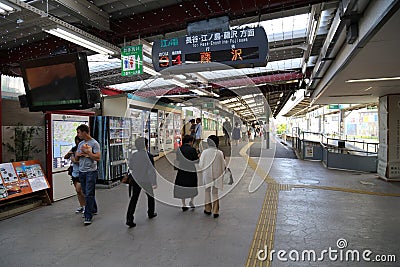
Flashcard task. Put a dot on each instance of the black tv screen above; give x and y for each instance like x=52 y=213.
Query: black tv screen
x=57 y=83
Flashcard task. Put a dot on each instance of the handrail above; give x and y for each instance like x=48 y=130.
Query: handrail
x=365 y=145
x=326 y=139
x=327 y=146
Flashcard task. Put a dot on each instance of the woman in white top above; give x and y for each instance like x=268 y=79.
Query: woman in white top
x=212 y=165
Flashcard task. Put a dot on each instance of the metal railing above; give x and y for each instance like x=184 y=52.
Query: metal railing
x=335 y=145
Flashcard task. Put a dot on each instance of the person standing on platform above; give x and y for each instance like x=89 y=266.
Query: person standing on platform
x=251 y=133
x=243 y=129
x=75 y=175
x=186 y=178
x=192 y=129
x=227 y=129
x=141 y=165
x=187 y=128
x=198 y=133
x=212 y=165
x=236 y=134
x=88 y=154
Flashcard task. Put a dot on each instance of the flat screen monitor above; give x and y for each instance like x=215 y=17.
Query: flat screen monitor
x=57 y=83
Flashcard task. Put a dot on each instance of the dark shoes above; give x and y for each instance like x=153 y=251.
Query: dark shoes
x=185 y=208
x=192 y=205
x=209 y=213
x=151 y=216
x=131 y=224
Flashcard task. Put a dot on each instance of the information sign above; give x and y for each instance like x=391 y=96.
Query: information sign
x=238 y=48
x=132 y=60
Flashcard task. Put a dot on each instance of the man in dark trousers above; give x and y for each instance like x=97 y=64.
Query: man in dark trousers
x=141 y=165
x=227 y=129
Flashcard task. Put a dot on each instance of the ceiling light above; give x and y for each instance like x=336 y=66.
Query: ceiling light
x=5 y=8
x=149 y=70
x=373 y=80
x=179 y=83
x=83 y=39
x=175 y=96
x=199 y=92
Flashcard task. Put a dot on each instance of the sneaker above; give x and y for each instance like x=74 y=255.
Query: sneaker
x=83 y=214
x=87 y=221
x=80 y=210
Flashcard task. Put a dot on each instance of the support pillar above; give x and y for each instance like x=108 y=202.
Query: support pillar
x=341 y=123
x=389 y=138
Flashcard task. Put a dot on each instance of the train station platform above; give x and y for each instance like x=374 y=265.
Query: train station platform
x=312 y=215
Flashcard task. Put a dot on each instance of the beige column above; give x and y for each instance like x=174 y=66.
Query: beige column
x=389 y=138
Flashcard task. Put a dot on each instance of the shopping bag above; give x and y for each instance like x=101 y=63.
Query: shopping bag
x=228 y=177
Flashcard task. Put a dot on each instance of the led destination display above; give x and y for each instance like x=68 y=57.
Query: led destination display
x=238 y=48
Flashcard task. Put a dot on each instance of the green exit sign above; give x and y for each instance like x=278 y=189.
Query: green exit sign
x=208 y=105
x=335 y=106
x=132 y=60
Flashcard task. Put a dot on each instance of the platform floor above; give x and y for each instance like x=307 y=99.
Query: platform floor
x=300 y=206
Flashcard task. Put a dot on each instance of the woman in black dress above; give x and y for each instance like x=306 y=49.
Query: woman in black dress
x=186 y=178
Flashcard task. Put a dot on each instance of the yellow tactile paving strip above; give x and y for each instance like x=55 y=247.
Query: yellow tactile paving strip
x=265 y=230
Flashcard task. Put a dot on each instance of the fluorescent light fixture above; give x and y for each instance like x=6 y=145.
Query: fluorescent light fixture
x=175 y=96
x=373 y=80
x=199 y=92
x=83 y=39
x=6 y=8
x=214 y=94
x=149 y=70
x=179 y=83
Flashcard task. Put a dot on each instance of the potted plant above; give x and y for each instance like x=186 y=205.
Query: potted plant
x=21 y=142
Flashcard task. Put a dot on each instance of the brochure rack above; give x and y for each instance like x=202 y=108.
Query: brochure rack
x=114 y=137
x=20 y=182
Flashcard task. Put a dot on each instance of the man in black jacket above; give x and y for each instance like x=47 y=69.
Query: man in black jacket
x=141 y=165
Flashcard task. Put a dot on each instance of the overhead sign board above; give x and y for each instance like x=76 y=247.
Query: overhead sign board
x=333 y=106
x=132 y=60
x=238 y=48
x=208 y=105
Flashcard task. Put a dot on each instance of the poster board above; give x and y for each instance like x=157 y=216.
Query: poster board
x=20 y=178
x=60 y=139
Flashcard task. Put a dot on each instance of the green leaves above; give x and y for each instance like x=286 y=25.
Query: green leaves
x=21 y=143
